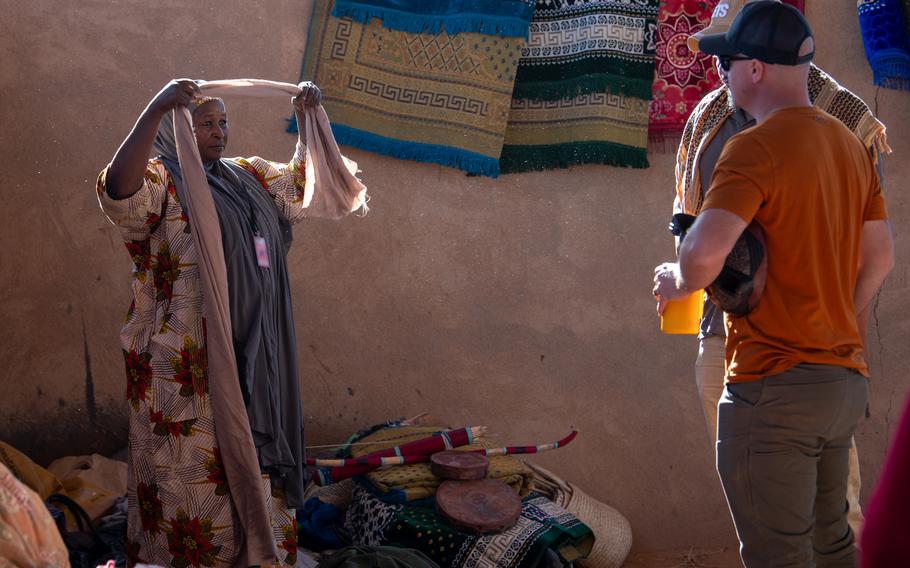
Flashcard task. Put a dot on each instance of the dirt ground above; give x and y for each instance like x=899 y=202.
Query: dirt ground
x=727 y=557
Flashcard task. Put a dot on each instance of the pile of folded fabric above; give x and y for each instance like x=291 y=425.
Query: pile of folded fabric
x=396 y=506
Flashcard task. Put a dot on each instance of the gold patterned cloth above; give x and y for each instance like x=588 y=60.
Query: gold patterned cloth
x=416 y=481
x=427 y=97
x=704 y=122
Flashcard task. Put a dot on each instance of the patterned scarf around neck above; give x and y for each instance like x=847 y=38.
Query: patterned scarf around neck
x=681 y=77
x=717 y=106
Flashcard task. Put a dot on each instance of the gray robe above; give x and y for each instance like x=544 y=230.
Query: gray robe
x=262 y=318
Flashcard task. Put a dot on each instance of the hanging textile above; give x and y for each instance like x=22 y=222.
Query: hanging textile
x=600 y=123
x=428 y=97
x=584 y=46
x=593 y=128
x=491 y=17
x=681 y=77
x=885 y=27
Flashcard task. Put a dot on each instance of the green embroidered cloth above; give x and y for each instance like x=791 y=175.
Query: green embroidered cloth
x=586 y=46
x=583 y=86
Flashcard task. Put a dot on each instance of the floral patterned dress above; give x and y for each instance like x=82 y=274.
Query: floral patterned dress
x=180 y=509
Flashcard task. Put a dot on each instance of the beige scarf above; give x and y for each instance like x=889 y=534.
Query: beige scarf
x=331 y=190
x=824 y=92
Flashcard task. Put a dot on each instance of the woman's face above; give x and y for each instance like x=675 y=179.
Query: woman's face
x=211 y=127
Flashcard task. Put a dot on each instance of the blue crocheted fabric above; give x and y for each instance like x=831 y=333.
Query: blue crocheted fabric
x=886 y=38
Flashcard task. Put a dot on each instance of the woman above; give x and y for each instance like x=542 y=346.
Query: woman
x=181 y=513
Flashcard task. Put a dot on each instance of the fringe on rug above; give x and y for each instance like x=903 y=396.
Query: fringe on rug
x=886 y=39
x=489 y=24
x=518 y=159
x=471 y=162
x=891 y=69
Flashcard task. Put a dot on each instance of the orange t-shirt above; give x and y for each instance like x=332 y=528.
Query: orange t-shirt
x=810 y=184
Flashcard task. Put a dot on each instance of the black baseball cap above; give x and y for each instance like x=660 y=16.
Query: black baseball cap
x=767 y=30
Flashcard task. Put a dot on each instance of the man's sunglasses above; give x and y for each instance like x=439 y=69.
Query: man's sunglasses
x=726 y=60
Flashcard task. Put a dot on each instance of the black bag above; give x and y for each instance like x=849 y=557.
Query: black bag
x=86 y=549
x=738 y=287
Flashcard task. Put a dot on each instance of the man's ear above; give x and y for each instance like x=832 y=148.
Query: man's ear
x=758 y=70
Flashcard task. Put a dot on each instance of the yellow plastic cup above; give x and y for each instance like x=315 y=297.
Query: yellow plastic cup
x=683 y=315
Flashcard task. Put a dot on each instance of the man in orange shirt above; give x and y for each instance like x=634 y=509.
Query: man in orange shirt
x=796 y=374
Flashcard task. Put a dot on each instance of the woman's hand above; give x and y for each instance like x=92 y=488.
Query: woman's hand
x=176 y=93
x=309 y=97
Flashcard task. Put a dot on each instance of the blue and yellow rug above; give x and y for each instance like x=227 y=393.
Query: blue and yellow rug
x=431 y=97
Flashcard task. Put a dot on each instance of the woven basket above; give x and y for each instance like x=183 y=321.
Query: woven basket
x=612 y=531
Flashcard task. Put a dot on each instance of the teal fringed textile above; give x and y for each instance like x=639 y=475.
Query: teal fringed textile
x=491 y=17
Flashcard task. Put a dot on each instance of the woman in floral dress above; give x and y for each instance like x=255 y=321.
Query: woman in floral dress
x=180 y=508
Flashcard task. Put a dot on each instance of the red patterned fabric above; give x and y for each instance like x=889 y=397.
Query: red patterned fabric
x=681 y=77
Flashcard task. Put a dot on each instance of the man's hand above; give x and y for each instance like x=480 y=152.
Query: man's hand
x=666 y=285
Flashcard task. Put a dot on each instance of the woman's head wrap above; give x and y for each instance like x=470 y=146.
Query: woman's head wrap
x=165 y=142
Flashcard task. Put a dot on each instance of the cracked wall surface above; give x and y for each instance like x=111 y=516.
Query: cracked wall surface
x=522 y=303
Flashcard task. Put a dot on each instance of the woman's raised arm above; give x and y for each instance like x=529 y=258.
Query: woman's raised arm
x=125 y=175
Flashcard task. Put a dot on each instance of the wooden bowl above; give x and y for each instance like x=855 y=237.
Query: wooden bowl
x=459 y=465
x=482 y=506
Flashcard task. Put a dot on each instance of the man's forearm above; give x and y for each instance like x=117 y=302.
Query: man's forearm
x=876 y=259
x=705 y=248
x=699 y=264
x=695 y=275
x=867 y=284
